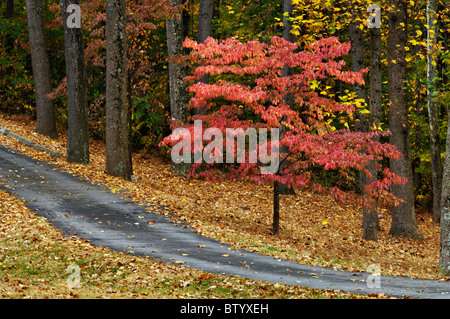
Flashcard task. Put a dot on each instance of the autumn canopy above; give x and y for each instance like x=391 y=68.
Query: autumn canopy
x=247 y=90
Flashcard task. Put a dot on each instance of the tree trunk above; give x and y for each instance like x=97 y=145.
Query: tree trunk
x=205 y=17
x=375 y=93
x=288 y=9
x=436 y=165
x=364 y=122
x=41 y=69
x=444 y=255
x=276 y=209
x=9 y=39
x=9 y=9
x=117 y=146
x=78 y=126
x=179 y=97
x=371 y=223
x=404 y=222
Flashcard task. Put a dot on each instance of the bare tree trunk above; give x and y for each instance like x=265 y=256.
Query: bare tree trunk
x=9 y=39
x=288 y=9
x=276 y=209
x=418 y=130
x=41 y=69
x=78 y=125
x=404 y=222
x=205 y=17
x=444 y=255
x=436 y=165
x=117 y=145
x=178 y=95
x=9 y=9
x=363 y=121
x=371 y=223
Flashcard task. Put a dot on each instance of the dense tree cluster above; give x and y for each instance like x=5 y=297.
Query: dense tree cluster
x=361 y=110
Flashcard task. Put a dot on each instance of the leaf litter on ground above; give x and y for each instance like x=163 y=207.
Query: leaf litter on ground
x=314 y=229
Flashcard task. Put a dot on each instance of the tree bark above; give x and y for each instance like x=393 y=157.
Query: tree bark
x=436 y=165
x=404 y=222
x=178 y=95
x=117 y=146
x=276 y=209
x=375 y=93
x=78 y=125
x=371 y=223
x=365 y=122
x=444 y=254
x=9 y=9
x=45 y=116
x=288 y=9
x=9 y=39
x=205 y=17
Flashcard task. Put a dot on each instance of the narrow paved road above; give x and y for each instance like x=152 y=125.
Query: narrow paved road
x=105 y=219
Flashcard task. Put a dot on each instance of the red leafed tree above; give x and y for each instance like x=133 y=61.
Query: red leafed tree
x=247 y=90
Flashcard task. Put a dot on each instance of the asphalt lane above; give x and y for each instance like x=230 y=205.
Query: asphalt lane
x=78 y=207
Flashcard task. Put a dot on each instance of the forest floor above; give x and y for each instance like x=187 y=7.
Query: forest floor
x=314 y=230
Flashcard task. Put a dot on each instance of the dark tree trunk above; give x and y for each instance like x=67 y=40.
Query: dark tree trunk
x=365 y=122
x=117 y=146
x=41 y=69
x=276 y=209
x=9 y=9
x=436 y=165
x=287 y=71
x=178 y=95
x=78 y=125
x=404 y=222
x=444 y=255
x=9 y=39
x=205 y=17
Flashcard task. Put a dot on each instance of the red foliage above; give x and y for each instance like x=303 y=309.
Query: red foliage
x=247 y=90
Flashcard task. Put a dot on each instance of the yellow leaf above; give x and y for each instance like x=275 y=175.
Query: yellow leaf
x=324 y=222
x=314 y=85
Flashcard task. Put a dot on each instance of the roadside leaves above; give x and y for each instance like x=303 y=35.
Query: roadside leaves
x=315 y=230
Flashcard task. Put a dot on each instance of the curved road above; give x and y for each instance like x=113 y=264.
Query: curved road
x=94 y=213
